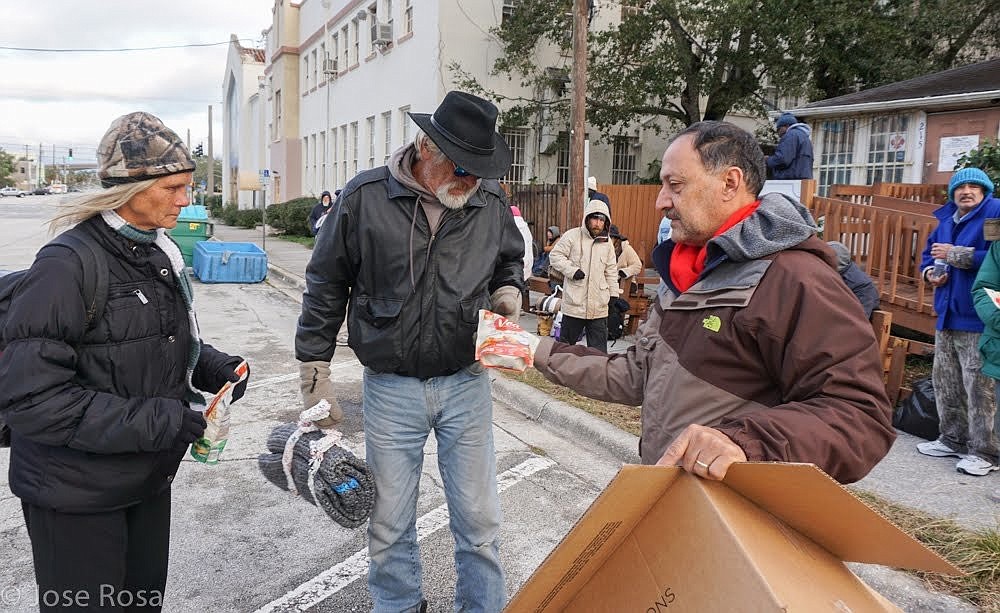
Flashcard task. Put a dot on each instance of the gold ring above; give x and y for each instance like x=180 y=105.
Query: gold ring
x=702 y=464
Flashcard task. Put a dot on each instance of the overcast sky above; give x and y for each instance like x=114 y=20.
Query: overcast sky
x=69 y=99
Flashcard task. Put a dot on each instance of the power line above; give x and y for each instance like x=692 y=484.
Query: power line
x=120 y=49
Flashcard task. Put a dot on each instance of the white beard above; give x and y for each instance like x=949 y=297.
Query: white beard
x=455 y=202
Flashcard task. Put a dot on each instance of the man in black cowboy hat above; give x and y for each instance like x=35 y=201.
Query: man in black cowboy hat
x=416 y=248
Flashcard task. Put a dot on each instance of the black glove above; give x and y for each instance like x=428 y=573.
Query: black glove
x=622 y=274
x=192 y=426
x=232 y=377
x=578 y=275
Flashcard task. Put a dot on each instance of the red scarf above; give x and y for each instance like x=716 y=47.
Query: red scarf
x=688 y=261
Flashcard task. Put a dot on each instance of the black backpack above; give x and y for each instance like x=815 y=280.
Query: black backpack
x=95 y=289
x=617 y=307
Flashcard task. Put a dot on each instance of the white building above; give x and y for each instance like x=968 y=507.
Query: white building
x=340 y=76
x=243 y=148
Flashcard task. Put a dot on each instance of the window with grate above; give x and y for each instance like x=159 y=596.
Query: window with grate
x=407 y=16
x=354 y=148
x=335 y=47
x=386 y=16
x=516 y=138
x=405 y=122
x=333 y=158
x=356 y=38
x=887 y=149
x=345 y=154
x=562 y=159
x=507 y=10
x=370 y=126
x=315 y=69
x=836 y=140
x=322 y=145
x=623 y=160
x=345 y=59
x=277 y=115
x=631 y=8
x=305 y=72
x=387 y=135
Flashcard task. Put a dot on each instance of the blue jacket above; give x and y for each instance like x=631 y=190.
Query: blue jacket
x=953 y=300
x=793 y=158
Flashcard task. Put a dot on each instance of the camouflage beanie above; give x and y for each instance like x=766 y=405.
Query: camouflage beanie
x=137 y=147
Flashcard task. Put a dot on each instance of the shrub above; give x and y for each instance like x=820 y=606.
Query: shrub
x=985 y=157
x=248 y=218
x=229 y=213
x=276 y=216
x=296 y=216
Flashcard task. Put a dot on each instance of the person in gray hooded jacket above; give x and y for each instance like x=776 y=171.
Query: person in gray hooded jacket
x=754 y=350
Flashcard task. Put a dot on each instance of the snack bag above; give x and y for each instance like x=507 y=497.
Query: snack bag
x=209 y=447
x=501 y=343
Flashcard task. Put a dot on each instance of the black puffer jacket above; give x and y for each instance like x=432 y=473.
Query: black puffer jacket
x=94 y=414
x=414 y=297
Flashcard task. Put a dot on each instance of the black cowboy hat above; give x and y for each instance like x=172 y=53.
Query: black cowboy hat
x=464 y=128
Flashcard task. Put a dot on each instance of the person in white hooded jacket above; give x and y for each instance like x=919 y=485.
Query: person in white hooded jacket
x=586 y=258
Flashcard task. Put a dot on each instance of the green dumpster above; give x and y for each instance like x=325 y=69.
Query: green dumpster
x=192 y=227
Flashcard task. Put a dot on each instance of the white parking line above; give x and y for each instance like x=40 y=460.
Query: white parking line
x=295 y=375
x=331 y=581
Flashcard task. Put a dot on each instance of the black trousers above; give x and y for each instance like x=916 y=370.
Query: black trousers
x=597 y=331
x=113 y=561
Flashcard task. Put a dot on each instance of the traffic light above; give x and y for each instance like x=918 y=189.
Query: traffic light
x=198 y=151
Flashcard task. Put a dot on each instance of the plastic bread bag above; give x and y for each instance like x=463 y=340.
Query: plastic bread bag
x=208 y=448
x=501 y=343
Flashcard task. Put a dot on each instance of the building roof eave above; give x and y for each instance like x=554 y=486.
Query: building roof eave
x=926 y=103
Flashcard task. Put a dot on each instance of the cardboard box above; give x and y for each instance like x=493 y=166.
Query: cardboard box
x=771 y=537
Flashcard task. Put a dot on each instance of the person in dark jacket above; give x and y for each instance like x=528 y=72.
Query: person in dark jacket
x=593 y=194
x=414 y=250
x=793 y=157
x=319 y=212
x=101 y=415
x=856 y=280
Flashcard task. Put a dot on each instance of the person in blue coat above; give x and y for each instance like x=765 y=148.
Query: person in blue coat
x=964 y=395
x=793 y=158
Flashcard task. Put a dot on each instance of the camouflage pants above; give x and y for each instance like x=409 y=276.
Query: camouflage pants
x=965 y=397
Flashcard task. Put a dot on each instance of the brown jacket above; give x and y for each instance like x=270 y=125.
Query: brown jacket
x=773 y=351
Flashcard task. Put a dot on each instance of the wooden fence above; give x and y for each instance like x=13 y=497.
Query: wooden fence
x=933 y=193
x=887 y=245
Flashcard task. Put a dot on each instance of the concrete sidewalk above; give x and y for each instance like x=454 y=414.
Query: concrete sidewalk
x=929 y=484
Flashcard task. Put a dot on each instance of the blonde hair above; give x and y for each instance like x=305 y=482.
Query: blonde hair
x=83 y=208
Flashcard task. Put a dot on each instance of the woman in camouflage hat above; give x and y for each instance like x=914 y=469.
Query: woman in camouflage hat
x=102 y=405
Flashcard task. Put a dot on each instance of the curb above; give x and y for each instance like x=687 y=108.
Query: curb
x=565 y=419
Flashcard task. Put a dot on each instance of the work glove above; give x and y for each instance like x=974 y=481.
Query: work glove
x=622 y=274
x=192 y=426
x=315 y=385
x=578 y=275
x=506 y=301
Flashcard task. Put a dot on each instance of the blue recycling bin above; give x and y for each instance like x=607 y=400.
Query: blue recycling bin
x=218 y=262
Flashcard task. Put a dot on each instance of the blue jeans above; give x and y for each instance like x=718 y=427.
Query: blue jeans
x=400 y=413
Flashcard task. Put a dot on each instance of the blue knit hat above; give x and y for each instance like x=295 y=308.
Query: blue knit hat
x=786 y=119
x=970 y=175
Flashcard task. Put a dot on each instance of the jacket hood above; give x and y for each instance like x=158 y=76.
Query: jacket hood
x=802 y=126
x=325 y=193
x=780 y=222
x=555 y=231
x=596 y=206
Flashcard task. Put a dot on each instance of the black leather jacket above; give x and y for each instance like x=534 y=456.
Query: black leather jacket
x=413 y=298
x=94 y=414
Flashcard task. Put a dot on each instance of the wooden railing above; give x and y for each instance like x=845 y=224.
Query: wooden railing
x=934 y=193
x=888 y=246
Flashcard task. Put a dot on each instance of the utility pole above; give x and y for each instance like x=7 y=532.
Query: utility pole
x=578 y=115
x=41 y=166
x=211 y=160
x=27 y=165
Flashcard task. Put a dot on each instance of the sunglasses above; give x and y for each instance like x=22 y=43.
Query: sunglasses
x=461 y=172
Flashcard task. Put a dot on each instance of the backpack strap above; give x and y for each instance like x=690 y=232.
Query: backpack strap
x=95 y=272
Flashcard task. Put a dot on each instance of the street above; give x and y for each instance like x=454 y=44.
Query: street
x=238 y=543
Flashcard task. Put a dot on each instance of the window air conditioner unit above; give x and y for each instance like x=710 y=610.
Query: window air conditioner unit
x=330 y=66
x=381 y=33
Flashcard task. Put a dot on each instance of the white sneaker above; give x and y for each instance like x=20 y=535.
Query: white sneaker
x=938 y=450
x=975 y=465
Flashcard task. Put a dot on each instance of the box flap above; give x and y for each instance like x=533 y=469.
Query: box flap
x=608 y=521
x=810 y=501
